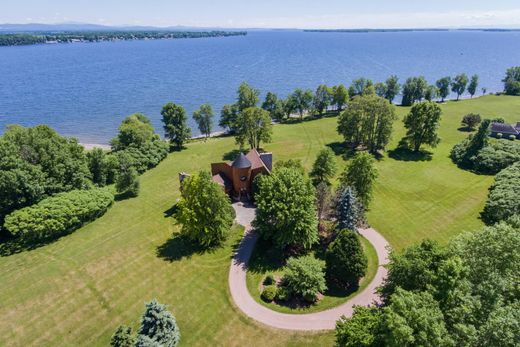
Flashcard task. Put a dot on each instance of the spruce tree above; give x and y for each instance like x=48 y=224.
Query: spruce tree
x=348 y=211
x=122 y=337
x=159 y=325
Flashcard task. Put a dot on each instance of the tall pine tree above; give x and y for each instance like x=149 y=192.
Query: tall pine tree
x=348 y=211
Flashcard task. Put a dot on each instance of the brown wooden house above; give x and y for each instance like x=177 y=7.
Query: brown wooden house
x=237 y=177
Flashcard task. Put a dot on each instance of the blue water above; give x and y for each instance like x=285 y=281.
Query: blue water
x=85 y=90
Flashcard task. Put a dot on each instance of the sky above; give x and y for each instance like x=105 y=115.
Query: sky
x=325 y=14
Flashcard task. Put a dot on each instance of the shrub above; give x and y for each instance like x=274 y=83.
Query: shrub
x=471 y=120
x=269 y=293
x=58 y=215
x=496 y=156
x=499 y=135
x=122 y=337
x=512 y=137
x=146 y=156
x=503 y=201
x=346 y=261
x=305 y=276
x=159 y=325
x=283 y=294
x=269 y=279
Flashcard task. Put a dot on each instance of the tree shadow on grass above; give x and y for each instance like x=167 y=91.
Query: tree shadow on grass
x=266 y=258
x=179 y=247
x=231 y=155
x=465 y=129
x=342 y=149
x=405 y=154
x=11 y=245
x=171 y=211
x=124 y=196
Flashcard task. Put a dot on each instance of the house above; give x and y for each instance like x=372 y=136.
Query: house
x=236 y=178
x=505 y=130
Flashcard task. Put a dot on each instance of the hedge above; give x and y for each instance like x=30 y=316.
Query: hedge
x=496 y=156
x=59 y=214
x=503 y=201
x=147 y=156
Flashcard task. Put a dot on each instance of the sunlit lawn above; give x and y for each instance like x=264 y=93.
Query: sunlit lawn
x=77 y=290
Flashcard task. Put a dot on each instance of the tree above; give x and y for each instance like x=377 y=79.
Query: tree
x=159 y=325
x=444 y=87
x=502 y=327
x=274 y=106
x=305 y=277
x=127 y=181
x=463 y=153
x=145 y=341
x=471 y=120
x=414 y=90
x=361 y=175
x=122 y=337
x=323 y=201
x=380 y=89
x=361 y=86
x=392 y=88
x=204 y=210
x=247 y=97
x=301 y=100
x=253 y=126
x=204 y=118
x=135 y=130
x=346 y=261
x=367 y=121
x=348 y=211
x=360 y=330
x=286 y=211
x=97 y=166
x=324 y=167
x=473 y=85
x=421 y=125
x=512 y=81
x=339 y=96
x=228 y=117
x=458 y=84
x=322 y=99
x=175 y=124
x=431 y=93
x=289 y=106
x=414 y=319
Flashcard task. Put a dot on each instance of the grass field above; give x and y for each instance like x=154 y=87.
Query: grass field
x=268 y=261
x=77 y=290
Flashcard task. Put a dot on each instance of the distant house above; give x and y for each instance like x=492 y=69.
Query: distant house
x=505 y=130
x=236 y=178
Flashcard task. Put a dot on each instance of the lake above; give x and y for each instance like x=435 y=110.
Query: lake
x=85 y=90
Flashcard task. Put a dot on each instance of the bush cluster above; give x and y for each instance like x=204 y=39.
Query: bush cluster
x=503 y=201
x=269 y=292
x=496 y=156
x=145 y=156
x=58 y=215
x=305 y=277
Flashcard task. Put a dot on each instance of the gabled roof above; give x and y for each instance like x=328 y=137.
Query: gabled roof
x=241 y=162
x=503 y=128
x=223 y=180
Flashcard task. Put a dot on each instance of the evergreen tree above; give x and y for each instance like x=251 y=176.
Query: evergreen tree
x=145 y=341
x=346 y=261
x=175 y=124
x=348 y=211
x=122 y=337
x=159 y=325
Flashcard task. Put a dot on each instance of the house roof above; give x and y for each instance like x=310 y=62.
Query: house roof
x=503 y=128
x=517 y=126
x=222 y=179
x=241 y=162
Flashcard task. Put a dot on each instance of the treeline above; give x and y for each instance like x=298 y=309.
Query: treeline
x=57 y=178
x=97 y=36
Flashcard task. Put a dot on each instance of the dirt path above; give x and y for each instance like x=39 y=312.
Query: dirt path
x=324 y=320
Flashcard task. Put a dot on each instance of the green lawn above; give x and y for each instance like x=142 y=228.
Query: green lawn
x=266 y=260
x=77 y=290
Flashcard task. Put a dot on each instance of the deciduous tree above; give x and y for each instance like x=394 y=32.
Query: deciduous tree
x=322 y=99
x=324 y=167
x=444 y=87
x=247 y=97
x=301 y=100
x=458 y=84
x=305 y=277
x=175 y=124
x=286 y=211
x=253 y=126
x=421 y=125
x=361 y=174
x=204 y=211
x=471 y=120
x=392 y=88
x=414 y=90
x=473 y=85
x=204 y=119
x=339 y=96
x=512 y=81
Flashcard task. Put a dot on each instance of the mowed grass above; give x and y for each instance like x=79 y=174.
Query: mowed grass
x=261 y=264
x=77 y=290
